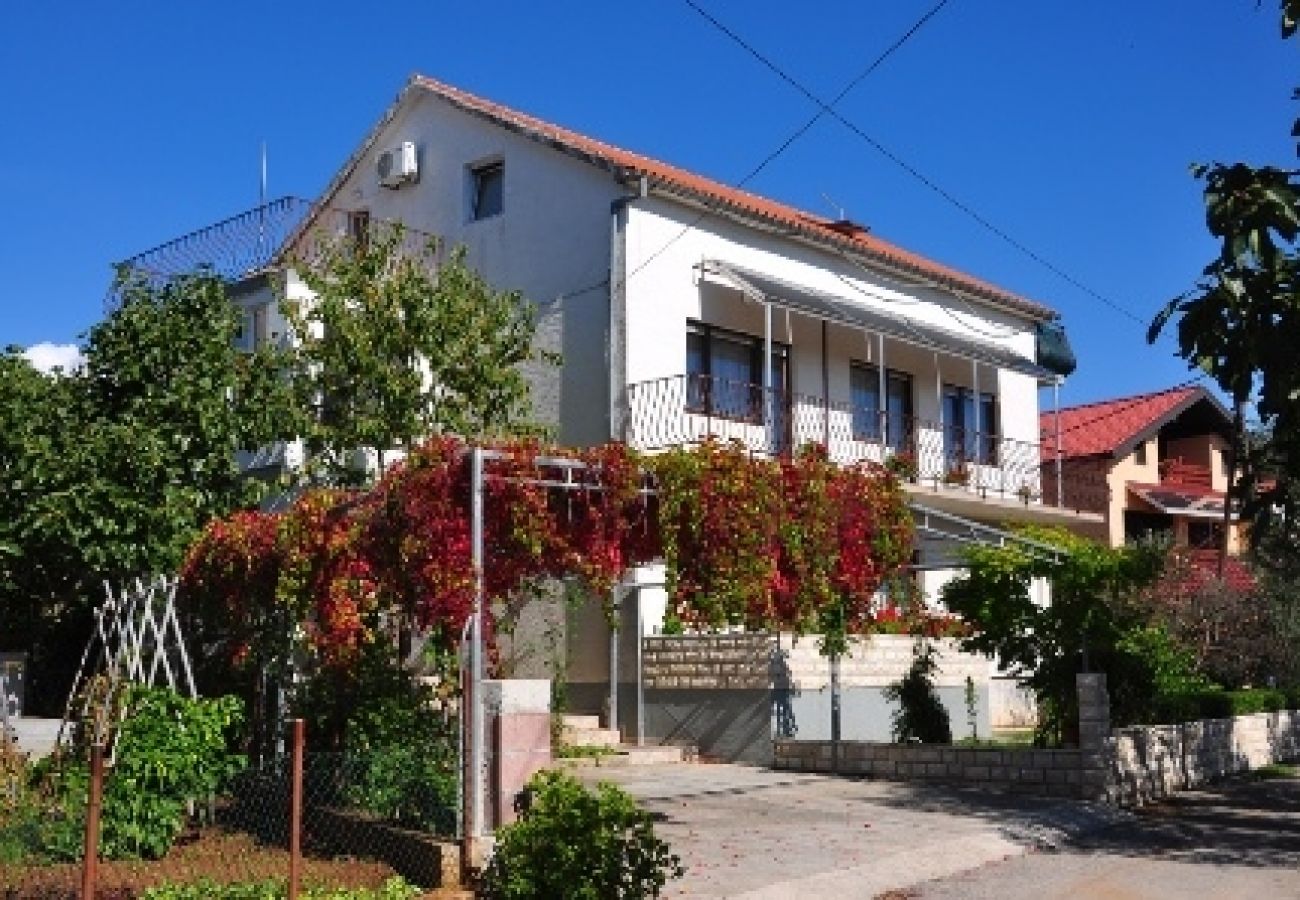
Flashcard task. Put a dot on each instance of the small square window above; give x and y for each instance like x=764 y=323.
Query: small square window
x=487 y=195
x=1140 y=454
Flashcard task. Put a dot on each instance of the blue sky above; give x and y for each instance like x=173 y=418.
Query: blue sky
x=1070 y=125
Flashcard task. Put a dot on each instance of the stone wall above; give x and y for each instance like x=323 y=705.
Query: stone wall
x=710 y=662
x=1054 y=773
x=1127 y=766
x=1149 y=762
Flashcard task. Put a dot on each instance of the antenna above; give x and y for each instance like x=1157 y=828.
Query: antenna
x=841 y=213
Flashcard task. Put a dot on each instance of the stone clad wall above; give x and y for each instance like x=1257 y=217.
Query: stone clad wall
x=757 y=661
x=1149 y=762
x=1054 y=773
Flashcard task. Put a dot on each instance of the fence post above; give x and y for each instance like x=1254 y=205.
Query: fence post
x=1094 y=730
x=90 y=861
x=295 y=811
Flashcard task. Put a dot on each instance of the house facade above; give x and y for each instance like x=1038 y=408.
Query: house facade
x=1163 y=458
x=685 y=309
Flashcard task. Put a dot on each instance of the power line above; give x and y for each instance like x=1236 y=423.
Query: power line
x=785 y=145
x=907 y=167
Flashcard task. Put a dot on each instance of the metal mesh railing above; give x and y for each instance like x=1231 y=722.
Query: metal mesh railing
x=683 y=410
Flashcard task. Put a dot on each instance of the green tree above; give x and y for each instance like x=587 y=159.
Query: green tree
x=1095 y=605
x=398 y=344
x=1248 y=298
x=112 y=471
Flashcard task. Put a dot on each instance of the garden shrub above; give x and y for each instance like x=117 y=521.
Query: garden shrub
x=393 y=889
x=1215 y=703
x=170 y=751
x=921 y=715
x=574 y=844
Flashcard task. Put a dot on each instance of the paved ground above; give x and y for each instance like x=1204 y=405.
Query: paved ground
x=760 y=835
x=1238 y=839
x=751 y=833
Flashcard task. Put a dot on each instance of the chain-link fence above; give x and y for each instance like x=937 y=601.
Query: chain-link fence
x=350 y=820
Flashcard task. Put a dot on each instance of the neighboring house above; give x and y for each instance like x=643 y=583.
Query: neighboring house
x=1163 y=458
x=684 y=308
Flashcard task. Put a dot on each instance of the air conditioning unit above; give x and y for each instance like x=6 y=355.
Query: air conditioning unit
x=398 y=166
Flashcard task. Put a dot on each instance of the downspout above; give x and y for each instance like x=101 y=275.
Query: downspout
x=768 y=405
x=616 y=351
x=1056 y=415
x=826 y=392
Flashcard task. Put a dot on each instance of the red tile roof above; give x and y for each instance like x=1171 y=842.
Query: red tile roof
x=673 y=178
x=1096 y=429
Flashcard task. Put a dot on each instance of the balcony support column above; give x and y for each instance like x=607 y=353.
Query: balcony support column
x=882 y=392
x=769 y=408
x=975 y=421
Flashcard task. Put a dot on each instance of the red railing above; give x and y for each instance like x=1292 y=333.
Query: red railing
x=682 y=410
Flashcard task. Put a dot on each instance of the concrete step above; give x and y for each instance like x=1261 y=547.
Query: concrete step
x=580 y=722
x=591 y=737
x=632 y=756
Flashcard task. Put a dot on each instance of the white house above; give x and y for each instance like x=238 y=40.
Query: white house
x=684 y=308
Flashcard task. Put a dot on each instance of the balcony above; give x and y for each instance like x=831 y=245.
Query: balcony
x=960 y=469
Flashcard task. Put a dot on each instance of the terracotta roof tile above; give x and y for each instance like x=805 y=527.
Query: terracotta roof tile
x=1100 y=428
x=672 y=177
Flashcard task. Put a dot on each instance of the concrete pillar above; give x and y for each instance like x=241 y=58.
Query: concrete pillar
x=519 y=721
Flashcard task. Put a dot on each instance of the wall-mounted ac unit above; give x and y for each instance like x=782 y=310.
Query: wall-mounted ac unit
x=398 y=166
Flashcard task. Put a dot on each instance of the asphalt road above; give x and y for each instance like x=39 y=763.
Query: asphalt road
x=1237 y=839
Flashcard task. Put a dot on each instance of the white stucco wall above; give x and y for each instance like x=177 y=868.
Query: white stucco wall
x=666 y=289
x=551 y=239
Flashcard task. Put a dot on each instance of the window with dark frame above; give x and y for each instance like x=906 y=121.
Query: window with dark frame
x=1140 y=453
x=864 y=397
x=359 y=230
x=961 y=442
x=487 y=190
x=724 y=373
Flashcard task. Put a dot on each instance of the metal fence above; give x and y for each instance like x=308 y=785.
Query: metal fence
x=682 y=410
x=314 y=819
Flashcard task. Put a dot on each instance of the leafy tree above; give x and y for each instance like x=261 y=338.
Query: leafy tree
x=397 y=345
x=1095 y=604
x=1248 y=296
x=113 y=470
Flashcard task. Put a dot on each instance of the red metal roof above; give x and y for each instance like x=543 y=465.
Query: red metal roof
x=672 y=177
x=1096 y=429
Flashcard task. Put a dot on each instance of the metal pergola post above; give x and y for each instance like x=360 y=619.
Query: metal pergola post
x=477 y=785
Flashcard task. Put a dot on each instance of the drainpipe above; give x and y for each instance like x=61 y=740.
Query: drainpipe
x=826 y=392
x=613 y=658
x=1056 y=409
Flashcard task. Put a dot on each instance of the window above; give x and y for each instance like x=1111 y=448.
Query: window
x=486 y=190
x=359 y=230
x=261 y=318
x=964 y=438
x=864 y=397
x=724 y=373
x=1140 y=454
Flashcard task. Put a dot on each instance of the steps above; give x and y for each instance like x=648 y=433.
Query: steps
x=585 y=731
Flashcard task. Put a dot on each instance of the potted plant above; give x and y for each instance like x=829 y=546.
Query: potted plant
x=902 y=464
x=958 y=475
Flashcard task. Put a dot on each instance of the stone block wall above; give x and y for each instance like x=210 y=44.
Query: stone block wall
x=709 y=662
x=1152 y=761
x=1053 y=773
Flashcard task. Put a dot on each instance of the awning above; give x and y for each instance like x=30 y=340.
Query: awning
x=843 y=311
x=1175 y=501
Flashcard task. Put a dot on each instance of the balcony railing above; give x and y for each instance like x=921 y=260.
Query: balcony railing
x=683 y=410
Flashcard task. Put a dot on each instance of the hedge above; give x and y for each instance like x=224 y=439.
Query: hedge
x=1221 y=704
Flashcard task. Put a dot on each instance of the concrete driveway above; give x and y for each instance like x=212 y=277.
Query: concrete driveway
x=745 y=832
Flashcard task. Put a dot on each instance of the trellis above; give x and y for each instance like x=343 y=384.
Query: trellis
x=137 y=641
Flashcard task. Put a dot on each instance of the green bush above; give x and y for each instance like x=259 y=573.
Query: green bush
x=921 y=715
x=393 y=889
x=574 y=844
x=1188 y=706
x=170 y=751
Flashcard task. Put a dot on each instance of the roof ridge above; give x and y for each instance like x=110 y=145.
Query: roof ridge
x=1135 y=398
x=746 y=201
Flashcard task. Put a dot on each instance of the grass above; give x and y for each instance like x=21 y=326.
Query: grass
x=1006 y=739
x=576 y=751
x=1275 y=770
